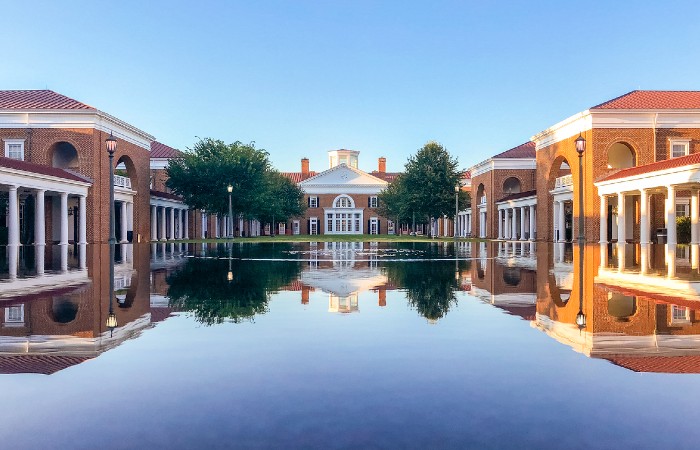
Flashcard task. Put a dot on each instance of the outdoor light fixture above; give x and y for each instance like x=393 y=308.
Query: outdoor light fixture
x=112 y=321
x=229 y=277
x=581 y=320
x=111 y=144
x=580 y=144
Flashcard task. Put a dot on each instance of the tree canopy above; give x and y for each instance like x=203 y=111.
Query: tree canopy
x=426 y=188
x=203 y=174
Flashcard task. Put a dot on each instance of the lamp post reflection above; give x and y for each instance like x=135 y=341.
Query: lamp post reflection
x=580 y=317
x=111 y=317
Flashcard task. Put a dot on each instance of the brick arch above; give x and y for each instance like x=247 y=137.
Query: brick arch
x=616 y=146
x=49 y=153
x=560 y=297
x=131 y=171
x=509 y=186
x=555 y=170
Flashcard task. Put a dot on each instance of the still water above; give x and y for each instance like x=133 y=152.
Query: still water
x=337 y=345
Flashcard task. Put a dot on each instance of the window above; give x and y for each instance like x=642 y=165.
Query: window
x=374 y=226
x=295 y=227
x=343 y=202
x=313 y=202
x=313 y=225
x=680 y=147
x=682 y=209
x=14 y=148
x=373 y=201
x=680 y=315
x=390 y=227
x=14 y=314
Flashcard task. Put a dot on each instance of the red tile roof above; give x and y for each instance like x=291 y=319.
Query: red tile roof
x=386 y=176
x=43 y=364
x=526 y=150
x=166 y=195
x=517 y=196
x=654 y=100
x=41 y=170
x=160 y=150
x=658 y=364
x=655 y=167
x=39 y=99
x=298 y=177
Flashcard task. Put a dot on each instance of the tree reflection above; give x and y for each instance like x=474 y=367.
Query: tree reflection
x=430 y=285
x=202 y=288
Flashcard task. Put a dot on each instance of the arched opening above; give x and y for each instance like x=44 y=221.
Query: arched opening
x=561 y=188
x=511 y=186
x=64 y=310
x=621 y=156
x=621 y=307
x=125 y=297
x=511 y=276
x=64 y=156
x=125 y=180
x=343 y=201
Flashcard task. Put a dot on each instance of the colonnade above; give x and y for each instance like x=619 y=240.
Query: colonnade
x=169 y=222
x=464 y=224
x=13 y=216
x=517 y=223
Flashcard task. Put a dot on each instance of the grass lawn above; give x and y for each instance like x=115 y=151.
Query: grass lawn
x=334 y=238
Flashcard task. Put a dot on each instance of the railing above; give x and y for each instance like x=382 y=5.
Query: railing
x=124 y=182
x=566 y=180
x=482 y=200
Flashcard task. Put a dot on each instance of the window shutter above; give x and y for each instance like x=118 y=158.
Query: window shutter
x=308 y=226
x=369 y=222
x=379 y=228
x=317 y=205
x=369 y=202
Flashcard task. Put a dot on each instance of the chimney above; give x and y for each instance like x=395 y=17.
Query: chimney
x=305 y=166
x=382 y=165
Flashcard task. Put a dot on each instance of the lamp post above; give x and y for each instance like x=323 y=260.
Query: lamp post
x=580 y=148
x=580 y=317
x=111 y=322
x=111 y=144
x=230 y=211
x=456 y=210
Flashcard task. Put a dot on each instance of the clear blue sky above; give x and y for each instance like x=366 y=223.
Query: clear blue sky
x=301 y=78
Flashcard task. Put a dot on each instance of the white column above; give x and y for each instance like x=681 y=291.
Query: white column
x=644 y=222
x=555 y=222
x=162 y=223
x=39 y=219
x=694 y=217
x=154 y=223
x=64 y=218
x=41 y=259
x=603 y=219
x=514 y=225
x=500 y=224
x=130 y=219
x=644 y=259
x=562 y=222
x=187 y=224
x=172 y=223
x=82 y=225
x=671 y=260
x=621 y=218
x=532 y=222
x=216 y=226
x=522 y=223
x=671 y=215
x=64 y=258
x=122 y=238
x=13 y=217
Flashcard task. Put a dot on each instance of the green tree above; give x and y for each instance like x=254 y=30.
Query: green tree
x=427 y=186
x=202 y=175
x=283 y=199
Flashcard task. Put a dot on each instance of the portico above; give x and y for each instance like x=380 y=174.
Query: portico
x=517 y=220
x=169 y=217
x=627 y=187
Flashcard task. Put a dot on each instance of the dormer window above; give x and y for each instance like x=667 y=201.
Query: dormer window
x=14 y=148
x=679 y=147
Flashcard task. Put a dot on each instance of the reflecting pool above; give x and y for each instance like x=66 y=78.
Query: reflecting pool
x=337 y=345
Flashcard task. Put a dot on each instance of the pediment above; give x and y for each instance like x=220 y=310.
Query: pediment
x=343 y=175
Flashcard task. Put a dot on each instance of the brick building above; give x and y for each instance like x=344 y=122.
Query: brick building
x=55 y=175
x=639 y=169
x=342 y=199
x=504 y=198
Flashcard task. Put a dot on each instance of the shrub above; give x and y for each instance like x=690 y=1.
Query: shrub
x=683 y=229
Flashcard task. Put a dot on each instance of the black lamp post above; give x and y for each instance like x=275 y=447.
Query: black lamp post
x=456 y=210
x=111 y=144
x=580 y=148
x=229 y=188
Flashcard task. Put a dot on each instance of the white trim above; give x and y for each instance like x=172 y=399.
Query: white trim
x=503 y=164
x=159 y=163
x=676 y=141
x=9 y=142
x=33 y=180
x=91 y=119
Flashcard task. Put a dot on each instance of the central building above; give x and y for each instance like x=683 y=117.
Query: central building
x=342 y=199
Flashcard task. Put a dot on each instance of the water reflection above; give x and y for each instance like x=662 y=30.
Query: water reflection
x=635 y=306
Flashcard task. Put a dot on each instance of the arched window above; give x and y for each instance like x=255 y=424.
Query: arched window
x=620 y=156
x=343 y=202
x=511 y=186
x=64 y=156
